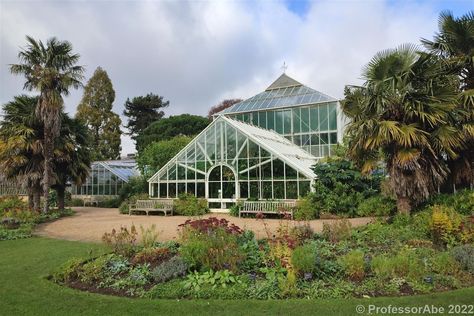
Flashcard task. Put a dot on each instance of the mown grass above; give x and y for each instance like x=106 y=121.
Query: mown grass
x=24 y=290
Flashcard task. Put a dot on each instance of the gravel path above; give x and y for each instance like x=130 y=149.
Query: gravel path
x=90 y=223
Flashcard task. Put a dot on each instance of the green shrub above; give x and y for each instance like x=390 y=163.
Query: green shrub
x=173 y=268
x=123 y=242
x=75 y=202
x=377 y=205
x=252 y=255
x=69 y=271
x=353 y=265
x=465 y=256
x=210 y=244
x=189 y=205
x=306 y=209
x=109 y=203
x=94 y=270
x=234 y=209
x=337 y=230
x=169 y=290
x=303 y=259
x=444 y=263
x=405 y=264
x=11 y=203
x=462 y=201
x=267 y=289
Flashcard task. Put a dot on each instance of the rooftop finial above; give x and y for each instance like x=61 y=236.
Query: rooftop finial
x=284 y=67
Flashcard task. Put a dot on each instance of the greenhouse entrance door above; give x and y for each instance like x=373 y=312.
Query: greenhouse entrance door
x=221 y=187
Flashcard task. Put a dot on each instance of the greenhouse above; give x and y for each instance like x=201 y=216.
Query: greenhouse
x=261 y=148
x=107 y=178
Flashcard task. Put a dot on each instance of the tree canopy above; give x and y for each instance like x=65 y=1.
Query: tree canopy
x=142 y=111
x=167 y=128
x=222 y=106
x=157 y=154
x=95 y=111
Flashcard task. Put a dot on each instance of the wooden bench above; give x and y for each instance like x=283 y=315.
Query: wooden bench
x=147 y=206
x=267 y=207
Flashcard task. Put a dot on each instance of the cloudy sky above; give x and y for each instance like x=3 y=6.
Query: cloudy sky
x=196 y=53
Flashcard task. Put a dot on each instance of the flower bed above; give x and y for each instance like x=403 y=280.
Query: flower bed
x=18 y=221
x=428 y=252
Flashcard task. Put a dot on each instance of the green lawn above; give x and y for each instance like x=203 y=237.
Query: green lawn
x=24 y=290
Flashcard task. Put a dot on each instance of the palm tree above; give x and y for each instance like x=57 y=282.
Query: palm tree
x=72 y=157
x=51 y=70
x=454 y=44
x=404 y=113
x=21 y=158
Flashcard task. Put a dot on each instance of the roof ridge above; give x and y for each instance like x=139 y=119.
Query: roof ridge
x=283 y=81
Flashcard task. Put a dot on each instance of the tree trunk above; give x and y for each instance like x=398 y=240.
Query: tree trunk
x=61 y=193
x=31 y=203
x=403 y=205
x=47 y=175
x=37 y=200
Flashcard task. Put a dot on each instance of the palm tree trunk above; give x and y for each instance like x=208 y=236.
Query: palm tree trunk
x=31 y=203
x=37 y=200
x=48 y=157
x=403 y=205
x=61 y=193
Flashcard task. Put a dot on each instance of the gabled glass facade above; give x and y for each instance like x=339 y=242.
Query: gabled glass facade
x=106 y=178
x=225 y=163
x=261 y=148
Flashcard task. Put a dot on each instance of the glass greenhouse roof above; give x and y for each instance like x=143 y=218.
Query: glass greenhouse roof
x=278 y=145
x=124 y=169
x=284 y=92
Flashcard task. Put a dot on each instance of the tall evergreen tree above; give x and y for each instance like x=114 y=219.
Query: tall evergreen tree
x=51 y=70
x=95 y=111
x=142 y=111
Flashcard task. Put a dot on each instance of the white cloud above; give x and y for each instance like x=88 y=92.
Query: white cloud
x=198 y=53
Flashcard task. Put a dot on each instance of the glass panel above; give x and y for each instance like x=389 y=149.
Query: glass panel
x=181 y=188
x=324 y=138
x=291 y=190
x=270 y=120
x=305 y=120
x=214 y=188
x=290 y=172
x=278 y=190
x=304 y=188
x=244 y=190
x=215 y=174
x=171 y=190
x=255 y=119
x=201 y=189
x=254 y=190
x=314 y=116
x=296 y=120
x=262 y=119
x=332 y=117
x=279 y=122
x=286 y=122
x=267 y=171
x=228 y=189
x=333 y=138
x=163 y=190
x=191 y=188
x=278 y=169
x=267 y=189
x=323 y=117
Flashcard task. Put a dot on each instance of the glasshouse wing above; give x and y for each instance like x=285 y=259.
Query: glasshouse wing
x=231 y=160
